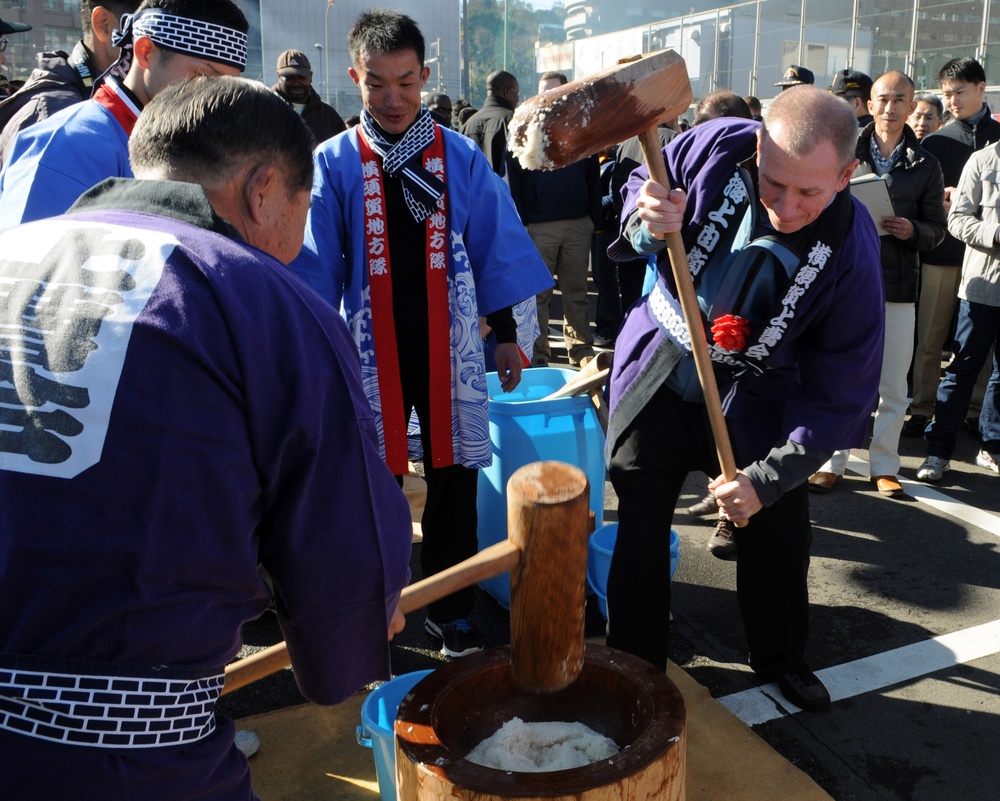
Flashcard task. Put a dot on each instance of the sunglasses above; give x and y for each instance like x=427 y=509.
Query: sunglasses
x=3 y=45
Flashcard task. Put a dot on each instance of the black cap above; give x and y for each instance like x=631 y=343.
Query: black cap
x=796 y=76
x=13 y=27
x=852 y=81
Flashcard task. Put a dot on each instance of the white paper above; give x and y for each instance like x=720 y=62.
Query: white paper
x=873 y=192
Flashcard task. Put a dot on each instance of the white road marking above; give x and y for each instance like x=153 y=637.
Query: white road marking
x=938 y=500
x=765 y=703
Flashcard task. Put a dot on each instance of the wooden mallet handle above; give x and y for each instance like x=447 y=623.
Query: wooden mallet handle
x=487 y=563
x=651 y=150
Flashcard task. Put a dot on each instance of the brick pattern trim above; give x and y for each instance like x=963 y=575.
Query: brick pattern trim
x=108 y=711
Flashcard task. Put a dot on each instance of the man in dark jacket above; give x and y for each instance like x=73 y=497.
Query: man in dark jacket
x=561 y=209
x=60 y=80
x=856 y=88
x=488 y=126
x=963 y=86
x=888 y=147
x=295 y=87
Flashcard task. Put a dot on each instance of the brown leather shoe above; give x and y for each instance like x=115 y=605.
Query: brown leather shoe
x=823 y=481
x=888 y=485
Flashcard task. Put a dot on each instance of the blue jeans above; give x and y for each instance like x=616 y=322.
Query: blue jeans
x=976 y=336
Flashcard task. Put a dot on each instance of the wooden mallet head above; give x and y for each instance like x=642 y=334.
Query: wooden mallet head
x=585 y=116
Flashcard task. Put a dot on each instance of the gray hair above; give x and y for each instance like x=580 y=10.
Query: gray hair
x=204 y=129
x=931 y=99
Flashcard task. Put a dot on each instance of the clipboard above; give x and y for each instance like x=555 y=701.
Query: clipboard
x=873 y=192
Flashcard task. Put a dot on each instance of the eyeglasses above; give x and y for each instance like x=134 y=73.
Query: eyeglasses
x=3 y=45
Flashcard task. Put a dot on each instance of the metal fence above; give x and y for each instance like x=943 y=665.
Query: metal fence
x=747 y=46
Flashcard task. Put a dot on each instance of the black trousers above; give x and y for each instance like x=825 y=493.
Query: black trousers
x=649 y=465
x=449 y=520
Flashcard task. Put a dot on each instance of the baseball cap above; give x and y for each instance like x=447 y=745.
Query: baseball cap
x=294 y=62
x=13 y=27
x=851 y=81
x=795 y=76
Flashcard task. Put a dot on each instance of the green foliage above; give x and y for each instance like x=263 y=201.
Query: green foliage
x=485 y=31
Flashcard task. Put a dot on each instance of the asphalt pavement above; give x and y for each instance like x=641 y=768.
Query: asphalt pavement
x=905 y=611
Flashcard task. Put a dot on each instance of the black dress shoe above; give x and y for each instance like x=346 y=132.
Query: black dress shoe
x=804 y=689
x=914 y=427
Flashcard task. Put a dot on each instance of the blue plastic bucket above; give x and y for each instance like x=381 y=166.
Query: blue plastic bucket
x=378 y=715
x=525 y=429
x=601 y=547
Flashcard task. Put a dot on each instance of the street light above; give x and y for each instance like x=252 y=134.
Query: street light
x=322 y=50
x=326 y=48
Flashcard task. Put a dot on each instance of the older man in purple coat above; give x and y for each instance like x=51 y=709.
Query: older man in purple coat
x=179 y=407
x=786 y=269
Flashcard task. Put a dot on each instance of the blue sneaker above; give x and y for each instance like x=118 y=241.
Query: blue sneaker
x=458 y=638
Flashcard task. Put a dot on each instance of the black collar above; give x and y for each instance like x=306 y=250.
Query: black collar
x=174 y=199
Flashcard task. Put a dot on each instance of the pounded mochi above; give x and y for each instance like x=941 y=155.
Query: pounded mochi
x=541 y=747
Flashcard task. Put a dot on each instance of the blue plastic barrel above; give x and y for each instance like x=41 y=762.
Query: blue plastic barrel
x=525 y=429
x=601 y=547
x=378 y=715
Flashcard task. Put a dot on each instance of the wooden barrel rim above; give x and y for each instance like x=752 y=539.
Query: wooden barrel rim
x=661 y=728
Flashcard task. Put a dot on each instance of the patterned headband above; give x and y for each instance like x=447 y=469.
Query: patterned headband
x=185 y=35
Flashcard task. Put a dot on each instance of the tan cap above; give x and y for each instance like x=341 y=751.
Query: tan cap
x=294 y=62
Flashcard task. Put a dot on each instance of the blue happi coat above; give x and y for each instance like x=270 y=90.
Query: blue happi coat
x=492 y=263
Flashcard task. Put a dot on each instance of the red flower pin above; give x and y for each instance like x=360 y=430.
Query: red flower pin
x=730 y=332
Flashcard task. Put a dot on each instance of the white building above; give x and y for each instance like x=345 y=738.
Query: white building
x=745 y=48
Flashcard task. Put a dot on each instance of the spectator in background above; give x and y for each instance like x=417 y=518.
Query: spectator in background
x=62 y=79
x=888 y=147
x=5 y=28
x=54 y=161
x=456 y=110
x=963 y=88
x=721 y=103
x=753 y=104
x=974 y=219
x=796 y=76
x=561 y=209
x=294 y=86
x=608 y=314
x=465 y=115
x=856 y=88
x=928 y=116
x=439 y=105
x=488 y=126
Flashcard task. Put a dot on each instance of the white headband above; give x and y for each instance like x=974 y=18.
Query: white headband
x=186 y=35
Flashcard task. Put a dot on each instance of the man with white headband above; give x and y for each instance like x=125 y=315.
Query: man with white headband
x=52 y=163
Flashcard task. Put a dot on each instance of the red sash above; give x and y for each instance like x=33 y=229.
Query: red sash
x=394 y=418
x=122 y=108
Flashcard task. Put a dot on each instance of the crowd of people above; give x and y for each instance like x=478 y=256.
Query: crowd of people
x=225 y=305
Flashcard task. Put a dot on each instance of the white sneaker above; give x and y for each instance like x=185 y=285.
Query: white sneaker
x=987 y=460
x=933 y=469
x=247 y=742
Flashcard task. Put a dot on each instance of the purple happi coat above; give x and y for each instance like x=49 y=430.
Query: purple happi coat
x=178 y=407
x=811 y=372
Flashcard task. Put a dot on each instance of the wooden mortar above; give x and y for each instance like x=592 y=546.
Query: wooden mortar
x=618 y=695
